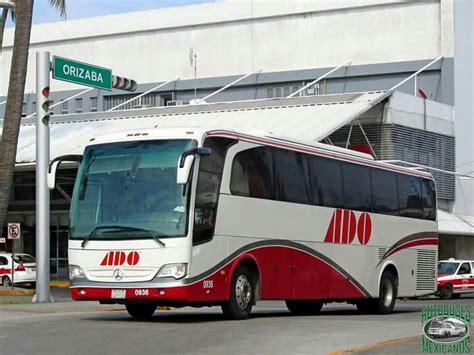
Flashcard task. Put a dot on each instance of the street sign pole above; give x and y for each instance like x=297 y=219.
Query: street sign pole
x=43 y=68
x=13 y=264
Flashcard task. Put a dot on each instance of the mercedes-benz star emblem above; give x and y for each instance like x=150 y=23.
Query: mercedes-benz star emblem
x=118 y=274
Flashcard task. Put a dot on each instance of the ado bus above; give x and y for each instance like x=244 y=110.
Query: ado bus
x=194 y=217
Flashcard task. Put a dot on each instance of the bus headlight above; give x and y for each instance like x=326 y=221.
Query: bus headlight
x=176 y=271
x=75 y=272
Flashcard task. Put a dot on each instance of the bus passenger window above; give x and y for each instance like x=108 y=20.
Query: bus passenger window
x=357 y=191
x=207 y=191
x=291 y=171
x=384 y=192
x=409 y=192
x=326 y=182
x=252 y=174
x=429 y=200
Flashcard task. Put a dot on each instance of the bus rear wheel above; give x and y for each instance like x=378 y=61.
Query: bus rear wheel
x=142 y=311
x=242 y=295
x=304 y=307
x=385 y=303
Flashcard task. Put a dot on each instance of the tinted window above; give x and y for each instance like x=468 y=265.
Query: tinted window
x=384 y=192
x=326 y=182
x=429 y=199
x=357 y=191
x=291 y=170
x=3 y=261
x=252 y=174
x=464 y=269
x=207 y=191
x=409 y=192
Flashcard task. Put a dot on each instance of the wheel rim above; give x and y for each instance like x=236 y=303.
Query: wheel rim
x=387 y=293
x=243 y=292
x=6 y=281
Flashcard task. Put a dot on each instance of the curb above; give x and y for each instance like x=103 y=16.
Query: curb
x=17 y=292
x=373 y=346
x=57 y=283
x=31 y=292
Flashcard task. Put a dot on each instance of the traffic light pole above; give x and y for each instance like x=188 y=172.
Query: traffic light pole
x=43 y=69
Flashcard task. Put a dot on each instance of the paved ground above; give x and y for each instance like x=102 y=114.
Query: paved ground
x=83 y=328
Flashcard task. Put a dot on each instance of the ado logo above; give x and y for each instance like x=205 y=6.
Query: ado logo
x=117 y=258
x=344 y=225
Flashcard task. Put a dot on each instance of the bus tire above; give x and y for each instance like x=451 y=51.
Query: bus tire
x=446 y=292
x=385 y=303
x=301 y=308
x=6 y=281
x=142 y=311
x=242 y=295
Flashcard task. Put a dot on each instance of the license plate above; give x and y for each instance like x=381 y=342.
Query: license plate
x=118 y=293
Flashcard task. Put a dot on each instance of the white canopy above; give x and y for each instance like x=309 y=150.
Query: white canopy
x=307 y=118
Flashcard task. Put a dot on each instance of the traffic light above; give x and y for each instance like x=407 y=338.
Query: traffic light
x=121 y=83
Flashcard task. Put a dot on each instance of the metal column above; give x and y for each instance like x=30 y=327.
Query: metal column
x=43 y=68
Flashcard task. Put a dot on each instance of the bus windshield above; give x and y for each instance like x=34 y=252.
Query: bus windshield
x=131 y=185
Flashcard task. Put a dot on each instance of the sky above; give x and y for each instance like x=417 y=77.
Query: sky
x=43 y=12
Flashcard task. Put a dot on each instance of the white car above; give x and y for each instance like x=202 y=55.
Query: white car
x=24 y=267
x=445 y=330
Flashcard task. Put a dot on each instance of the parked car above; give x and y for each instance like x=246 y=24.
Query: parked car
x=24 y=266
x=445 y=330
x=455 y=277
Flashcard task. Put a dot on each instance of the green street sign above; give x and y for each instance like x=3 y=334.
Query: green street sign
x=82 y=73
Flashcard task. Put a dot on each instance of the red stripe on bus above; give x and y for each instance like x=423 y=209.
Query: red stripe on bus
x=414 y=243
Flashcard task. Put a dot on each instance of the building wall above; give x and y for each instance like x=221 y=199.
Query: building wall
x=235 y=37
x=464 y=109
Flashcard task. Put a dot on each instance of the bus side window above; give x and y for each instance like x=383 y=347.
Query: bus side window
x=356 y=183
x=384 y=192
x=429 y=200
x=291 y=171
x=409 y=191
x=252 y=174
x=326 y=182
x=207 y=190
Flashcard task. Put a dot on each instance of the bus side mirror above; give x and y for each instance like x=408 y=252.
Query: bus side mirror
x=54 y=165
x=186 y=162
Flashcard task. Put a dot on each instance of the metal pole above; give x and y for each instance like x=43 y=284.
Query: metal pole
x=230 y=84
x=319 y=79
x=13 y=264
x=367 y=140
x=195 y=77
x=43 y=68
x=415 y=74
x=143 y=94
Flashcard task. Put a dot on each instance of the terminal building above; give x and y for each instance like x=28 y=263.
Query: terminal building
x=363 y=52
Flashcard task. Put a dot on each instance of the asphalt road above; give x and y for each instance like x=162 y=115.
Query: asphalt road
x=88 y=328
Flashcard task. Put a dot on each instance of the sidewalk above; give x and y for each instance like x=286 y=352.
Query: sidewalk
x=23 y=291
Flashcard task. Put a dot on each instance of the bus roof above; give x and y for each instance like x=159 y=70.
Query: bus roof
x=264 y=138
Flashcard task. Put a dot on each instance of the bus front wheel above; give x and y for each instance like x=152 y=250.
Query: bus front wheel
x=242 y=295
x=141 y=311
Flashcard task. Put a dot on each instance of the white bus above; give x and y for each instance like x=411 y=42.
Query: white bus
x=195 y=217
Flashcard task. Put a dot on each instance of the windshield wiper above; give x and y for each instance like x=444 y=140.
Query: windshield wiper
x=153 y=234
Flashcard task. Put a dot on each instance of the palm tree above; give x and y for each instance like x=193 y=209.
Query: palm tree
x=16 y=87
